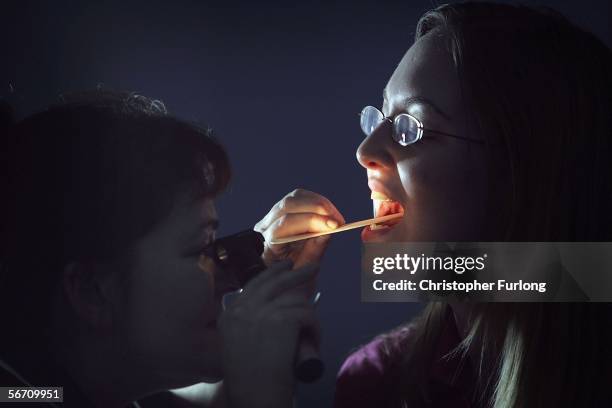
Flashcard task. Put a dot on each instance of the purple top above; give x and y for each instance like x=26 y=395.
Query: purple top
x=370 y=376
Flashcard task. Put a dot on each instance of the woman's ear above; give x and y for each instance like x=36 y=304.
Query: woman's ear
x=88 y=288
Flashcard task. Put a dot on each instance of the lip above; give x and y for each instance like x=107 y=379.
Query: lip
x=368 y=234
x=377 y=185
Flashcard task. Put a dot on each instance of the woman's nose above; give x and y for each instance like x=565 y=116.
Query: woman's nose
x=374 y=152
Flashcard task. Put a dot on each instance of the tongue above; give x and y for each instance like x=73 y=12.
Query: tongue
x=388 y=207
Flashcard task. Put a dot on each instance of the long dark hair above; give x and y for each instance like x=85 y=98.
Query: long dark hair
x=541 y=88
x=540 y=93
x=82 y=181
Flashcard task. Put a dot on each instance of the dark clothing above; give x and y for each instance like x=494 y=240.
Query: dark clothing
x=38 y=371
x=370 y=376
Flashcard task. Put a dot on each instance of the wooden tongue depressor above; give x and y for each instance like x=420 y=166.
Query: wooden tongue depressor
x=345 y=227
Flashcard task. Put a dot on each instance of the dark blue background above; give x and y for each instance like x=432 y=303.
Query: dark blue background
x=281 y=84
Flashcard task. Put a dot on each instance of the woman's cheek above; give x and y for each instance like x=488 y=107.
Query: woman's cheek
x=442 y=196
x=423 y=180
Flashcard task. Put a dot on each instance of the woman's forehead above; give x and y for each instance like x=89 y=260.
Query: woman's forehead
x=426 y=70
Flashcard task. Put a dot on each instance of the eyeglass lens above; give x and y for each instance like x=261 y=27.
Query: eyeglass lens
x=405 y=128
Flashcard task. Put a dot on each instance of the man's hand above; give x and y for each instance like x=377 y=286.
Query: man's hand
x=299 y=212
x=261 y=331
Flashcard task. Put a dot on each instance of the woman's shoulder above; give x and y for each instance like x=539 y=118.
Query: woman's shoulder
x=368 y=376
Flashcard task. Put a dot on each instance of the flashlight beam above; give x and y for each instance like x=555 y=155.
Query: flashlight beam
x=345 y=227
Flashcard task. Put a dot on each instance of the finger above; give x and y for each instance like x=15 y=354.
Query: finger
x=305 y=320
x=280 y=283
x=273 y=252
x=293 y=204
x=311 y=327
x=274 y=269
x=300 y=315
x=300 y=223
x=300 y=201
x=312 y=251
x=307 y=201
x=303 y=194
x=290 y=299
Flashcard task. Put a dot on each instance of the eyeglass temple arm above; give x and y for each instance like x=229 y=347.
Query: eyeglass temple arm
x=455 y=136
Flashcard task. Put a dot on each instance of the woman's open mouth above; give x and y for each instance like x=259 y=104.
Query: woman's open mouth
x=383 y=205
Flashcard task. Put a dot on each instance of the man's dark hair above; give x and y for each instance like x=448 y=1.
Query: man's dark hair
x=84 y=180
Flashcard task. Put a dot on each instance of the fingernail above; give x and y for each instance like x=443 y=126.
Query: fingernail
x=316 y=298
x=332 y=223
x=229 y=298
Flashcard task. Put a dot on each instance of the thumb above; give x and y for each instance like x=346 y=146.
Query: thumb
x=313 y=251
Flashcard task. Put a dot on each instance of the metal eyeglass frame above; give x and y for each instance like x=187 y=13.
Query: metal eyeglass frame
x=420 y=128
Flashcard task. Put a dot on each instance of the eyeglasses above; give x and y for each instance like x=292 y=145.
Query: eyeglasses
x=406 y=128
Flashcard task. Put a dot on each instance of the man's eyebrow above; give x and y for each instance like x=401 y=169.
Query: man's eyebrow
x=422 y=101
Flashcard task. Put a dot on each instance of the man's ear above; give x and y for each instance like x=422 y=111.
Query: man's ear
x=88 y=290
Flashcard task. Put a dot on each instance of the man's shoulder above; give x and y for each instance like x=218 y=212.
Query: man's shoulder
x=9 y=377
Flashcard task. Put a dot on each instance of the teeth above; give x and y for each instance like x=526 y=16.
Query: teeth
x=375 y=227
x=377 y=199
x=378 y=196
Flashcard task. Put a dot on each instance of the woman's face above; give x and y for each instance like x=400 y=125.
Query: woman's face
x=439 y=181
x=172 y=302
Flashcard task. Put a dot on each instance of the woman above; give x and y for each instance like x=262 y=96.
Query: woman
x=108 y=202
x=515 y=106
